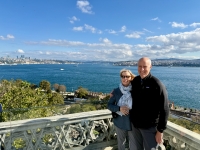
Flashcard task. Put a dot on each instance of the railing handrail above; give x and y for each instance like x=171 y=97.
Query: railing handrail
x=181 y=134
x=48 y=121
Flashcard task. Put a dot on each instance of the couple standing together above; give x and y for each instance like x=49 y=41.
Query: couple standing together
x=141 y=103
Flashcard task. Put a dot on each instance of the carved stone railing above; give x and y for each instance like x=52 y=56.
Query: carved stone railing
x=181 y=138
x=86 y=130
x=80 y=131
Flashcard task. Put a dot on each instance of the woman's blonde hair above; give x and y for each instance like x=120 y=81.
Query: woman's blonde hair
x=129 y=71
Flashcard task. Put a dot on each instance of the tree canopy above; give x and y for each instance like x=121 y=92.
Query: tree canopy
x=81 y=92
x=19 y=97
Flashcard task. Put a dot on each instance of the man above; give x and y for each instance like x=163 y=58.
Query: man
x=150 y=109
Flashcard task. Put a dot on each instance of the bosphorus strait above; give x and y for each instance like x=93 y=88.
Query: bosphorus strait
x=182 y=83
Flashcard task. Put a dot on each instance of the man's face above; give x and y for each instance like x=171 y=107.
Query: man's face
x=144 y=67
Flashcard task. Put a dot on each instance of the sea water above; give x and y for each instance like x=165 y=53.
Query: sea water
x=182 y=83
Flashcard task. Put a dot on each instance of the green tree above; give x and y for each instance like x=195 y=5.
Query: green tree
x=55 y=86
x=196 y=128
x=62 y=88
x=99 y=104
x=82 y=92
x=88 y=107
x=33 y=86
x=18 y=98
x=186 y=124
x=56 y=98
x=45 y=85
x=104 y=102
x=75 y=108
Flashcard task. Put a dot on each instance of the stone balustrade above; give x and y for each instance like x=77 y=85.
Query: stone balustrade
x=86 y=130
x=181 y=138
x=80 y=131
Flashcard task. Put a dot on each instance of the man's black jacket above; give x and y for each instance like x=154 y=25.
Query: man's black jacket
x=150 y=103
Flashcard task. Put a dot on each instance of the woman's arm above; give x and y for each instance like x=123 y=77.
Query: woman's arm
x=112 y=106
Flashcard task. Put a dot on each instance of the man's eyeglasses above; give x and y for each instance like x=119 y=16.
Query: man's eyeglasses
x=125 y=77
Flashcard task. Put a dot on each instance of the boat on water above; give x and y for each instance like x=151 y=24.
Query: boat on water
x=170 y=66
x=62 y=69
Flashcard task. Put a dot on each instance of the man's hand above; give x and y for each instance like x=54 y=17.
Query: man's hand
x=159 y=137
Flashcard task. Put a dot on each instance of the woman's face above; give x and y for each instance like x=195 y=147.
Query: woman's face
x=126 y=78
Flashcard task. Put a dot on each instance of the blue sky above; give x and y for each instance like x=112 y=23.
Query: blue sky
x=108 y=30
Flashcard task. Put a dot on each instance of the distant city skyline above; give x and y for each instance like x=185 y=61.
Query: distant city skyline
x=86 y=30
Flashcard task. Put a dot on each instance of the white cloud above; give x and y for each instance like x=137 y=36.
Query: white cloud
x=91 y=28
x=78 y=28
x=99 y=32
x=179 y=43
x=60 y=43
x=178 y=25
x=156 y=19
x=84 y=6
x=105 y=40
x=87 y=27
x=73 y=19
x=20 y=51
x=2 y=38
x=49 y=53
x=112 y=31
x=105 y=50
x=147 y=30
x=161 y=46
x=8 y=37
x=183 y=26
x=195 y=24
x=123 y=29
x=135 y=35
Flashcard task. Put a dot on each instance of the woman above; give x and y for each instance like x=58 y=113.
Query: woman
x=121 y=103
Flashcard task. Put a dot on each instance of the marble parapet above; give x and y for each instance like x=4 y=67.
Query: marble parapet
x=79 y=131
